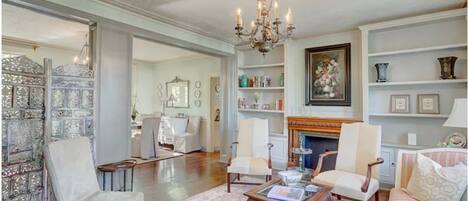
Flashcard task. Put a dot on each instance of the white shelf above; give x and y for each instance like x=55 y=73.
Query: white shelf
x=274 y=65
x=424 y=49
x=408 y=115
x=261 y=88
x=425 y=82
x=261 y=111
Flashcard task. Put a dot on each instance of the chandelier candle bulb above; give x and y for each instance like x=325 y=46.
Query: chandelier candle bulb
x=276 y=10
x=239 y=19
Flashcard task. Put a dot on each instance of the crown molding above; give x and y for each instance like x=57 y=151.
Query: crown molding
x=131 y=8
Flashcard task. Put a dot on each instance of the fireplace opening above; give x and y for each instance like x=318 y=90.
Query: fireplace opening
x=319 y=144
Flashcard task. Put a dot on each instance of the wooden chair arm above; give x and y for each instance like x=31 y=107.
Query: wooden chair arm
x=231 y=152
x=366 y=184
x=320 y=160
x=270 y=145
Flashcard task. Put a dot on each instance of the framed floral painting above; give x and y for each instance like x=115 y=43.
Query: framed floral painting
x=328 y=75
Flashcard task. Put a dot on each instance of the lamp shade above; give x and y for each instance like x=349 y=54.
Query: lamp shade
x=458 y=116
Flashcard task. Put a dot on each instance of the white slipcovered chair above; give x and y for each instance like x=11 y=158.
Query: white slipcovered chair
x=145 y=144
x=252 y=151
x=169 y=127
x=356 y=174
x=73 y=175
x=189 y=139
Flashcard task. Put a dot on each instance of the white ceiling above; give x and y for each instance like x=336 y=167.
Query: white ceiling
x=32 y=26
x=216 y=18
x=154 y=52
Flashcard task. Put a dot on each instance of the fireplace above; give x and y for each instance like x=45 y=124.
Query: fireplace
x=319 y=144
x=318 y=134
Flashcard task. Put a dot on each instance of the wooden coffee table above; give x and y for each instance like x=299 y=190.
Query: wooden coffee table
x=324 y=193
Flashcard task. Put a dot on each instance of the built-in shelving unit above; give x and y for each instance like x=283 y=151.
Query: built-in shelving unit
x=413 y=69
x=252 y=63
x=412 y=47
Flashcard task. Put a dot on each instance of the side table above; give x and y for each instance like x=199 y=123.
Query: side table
x=115 y=167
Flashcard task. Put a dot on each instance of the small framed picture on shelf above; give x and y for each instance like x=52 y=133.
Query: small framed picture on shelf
x=428 y=103
x=400 y=103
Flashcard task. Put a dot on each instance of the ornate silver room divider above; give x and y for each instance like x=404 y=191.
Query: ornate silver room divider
x=23 y=90
x=72 y=102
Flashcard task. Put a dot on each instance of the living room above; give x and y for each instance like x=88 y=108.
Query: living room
x=358 y=101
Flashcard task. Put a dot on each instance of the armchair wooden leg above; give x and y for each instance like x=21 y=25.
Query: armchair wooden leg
x=339 y=197
x=377 y=196
x=238 y=177
x=228 y=181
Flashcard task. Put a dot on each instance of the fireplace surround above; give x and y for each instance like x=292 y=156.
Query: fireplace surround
x=300 y=128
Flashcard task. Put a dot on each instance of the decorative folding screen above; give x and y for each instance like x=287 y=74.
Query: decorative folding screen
x=72 y=102
x=23 y=90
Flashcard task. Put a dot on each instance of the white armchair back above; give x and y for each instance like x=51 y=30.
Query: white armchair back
x=149 y=140
x=359 y=144
x=253 y=137
x=193 y=127
x=71 y=169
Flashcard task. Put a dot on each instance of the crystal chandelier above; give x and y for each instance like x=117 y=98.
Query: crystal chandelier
x=265 y=30
x=83 y=57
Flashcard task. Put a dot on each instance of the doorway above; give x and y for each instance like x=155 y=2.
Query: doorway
x=174 y=85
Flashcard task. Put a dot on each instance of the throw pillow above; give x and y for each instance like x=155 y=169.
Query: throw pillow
x=431 y=182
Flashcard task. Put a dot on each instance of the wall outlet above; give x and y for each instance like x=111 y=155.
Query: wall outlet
x=411 y=138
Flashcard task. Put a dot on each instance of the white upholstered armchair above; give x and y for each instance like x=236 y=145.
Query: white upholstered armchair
x=356 y=174
x=73 y=175
x=252 y=151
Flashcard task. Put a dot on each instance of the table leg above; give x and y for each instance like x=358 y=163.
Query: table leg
x=125 y=179
x=112 y=181
x=104 y=181
x=132 y=181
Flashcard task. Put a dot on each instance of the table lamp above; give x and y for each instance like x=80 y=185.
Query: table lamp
x=458 y=117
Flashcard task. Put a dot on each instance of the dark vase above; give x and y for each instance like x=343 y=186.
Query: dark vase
x=382 y=71
x=447 y=67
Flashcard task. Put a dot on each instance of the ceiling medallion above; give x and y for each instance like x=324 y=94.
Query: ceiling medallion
x=265 y=31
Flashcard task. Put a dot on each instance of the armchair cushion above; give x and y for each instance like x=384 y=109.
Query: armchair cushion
x=250 y=166
x=347 y=184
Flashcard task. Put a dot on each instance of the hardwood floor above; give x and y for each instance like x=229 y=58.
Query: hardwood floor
x=178 y=178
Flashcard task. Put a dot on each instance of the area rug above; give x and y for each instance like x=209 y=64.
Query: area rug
x=219 y=193
x=237 y=190
x=162 y=155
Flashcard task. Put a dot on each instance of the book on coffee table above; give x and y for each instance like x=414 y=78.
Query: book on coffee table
x=286 y=193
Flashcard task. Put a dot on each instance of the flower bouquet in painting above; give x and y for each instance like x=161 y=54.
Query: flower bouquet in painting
x=327 y=79
x=328 y=75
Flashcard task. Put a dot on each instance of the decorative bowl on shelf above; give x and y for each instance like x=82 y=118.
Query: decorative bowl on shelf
x=290 y=177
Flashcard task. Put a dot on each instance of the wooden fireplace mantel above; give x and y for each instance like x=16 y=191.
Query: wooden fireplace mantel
x=322 y=126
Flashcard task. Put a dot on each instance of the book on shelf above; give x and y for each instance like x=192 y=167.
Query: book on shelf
x=286 y=193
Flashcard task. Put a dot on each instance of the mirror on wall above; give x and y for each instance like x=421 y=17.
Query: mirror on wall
x=177 y=92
